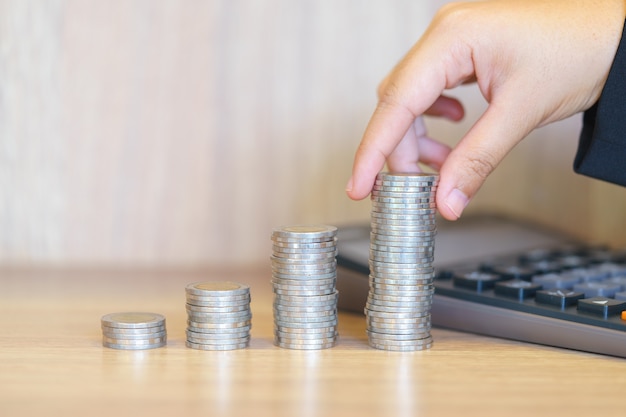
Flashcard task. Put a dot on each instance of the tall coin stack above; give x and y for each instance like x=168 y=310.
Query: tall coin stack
x=218 y=315
x=304 y=274
x=401 y=261
x=133 y=330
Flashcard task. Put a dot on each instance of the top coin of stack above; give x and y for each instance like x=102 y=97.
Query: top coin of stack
x=304 y=274
x=218 y=315
x=133 y=330
x=400 y=261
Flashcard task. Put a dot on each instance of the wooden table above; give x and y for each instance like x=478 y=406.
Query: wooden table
x=52 y=362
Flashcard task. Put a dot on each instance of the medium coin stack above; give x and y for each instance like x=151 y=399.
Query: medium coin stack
x=304 y=274
x=133 y=331
x=218 y=315
x=400 y=261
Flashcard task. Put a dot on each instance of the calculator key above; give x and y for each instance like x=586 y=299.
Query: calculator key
x=546 y=267
x=621 y=281
x=556 y=281
x=557 y=297
x=601 y=306
x=620 y=296
x=597 y=289
x=514 y=272
x=475 y=280
x=516 y=288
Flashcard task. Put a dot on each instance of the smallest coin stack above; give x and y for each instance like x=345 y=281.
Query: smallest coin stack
x=304 y=274
x=218 y=315
x=133 y=331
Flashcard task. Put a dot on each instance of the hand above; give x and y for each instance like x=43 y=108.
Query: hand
x=534 y=61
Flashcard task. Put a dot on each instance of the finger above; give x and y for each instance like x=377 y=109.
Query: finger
x=447 y=107
x=484 y=146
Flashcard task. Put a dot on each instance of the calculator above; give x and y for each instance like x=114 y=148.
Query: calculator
x=507 y=278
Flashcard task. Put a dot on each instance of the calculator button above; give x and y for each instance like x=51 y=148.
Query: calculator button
x=475 y=280
x=560 y=298
x=601 y=306
x=516 y=288
x=556 y=281
x=514 y=272
x=597 y=289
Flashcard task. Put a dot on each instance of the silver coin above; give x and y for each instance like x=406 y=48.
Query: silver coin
x=134 y=342
x=307 y=256
x=304 y=264
x=301 y=310
x=208 y=305
x=305 y=276
x=401 y=336
x=314 y=330
x=396 y=315
x=218 y=325
x=405 y=208
x=210 y=310
x=297 y=346
x=309 y=231
x=132 y=331
x=394 y=309
x=225 y=331
x=425 y=239
x=286 y=283
x=410 y=224
x=217 y=288
x=387 y=196
x=216 y=339
x=313 y=289
x=133 y=347
x=393 y=326
x=395 y=295
x=126 y=336
x=202 y=346
x=318 y=315
x=297 y=339
x=304 y=269
x=285 y=336
x=388 y=339
x=303 y=293
x=304 y=324
x=132 y=320
x=219 y=318
x=311 y=300
x=413 y=178
x=291 y=321
x=328 y=244
x=403 y=188
x=405 y=216
x=375 y=297
x=286 y=306
x=219 y=298
x=421 y=250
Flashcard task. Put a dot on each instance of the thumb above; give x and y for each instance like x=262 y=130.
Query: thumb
x=478 y=153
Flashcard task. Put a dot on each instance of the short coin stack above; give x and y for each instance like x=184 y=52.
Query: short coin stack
x=400 y=261
x=218 y=315
x=304 y=274
x=133 y=330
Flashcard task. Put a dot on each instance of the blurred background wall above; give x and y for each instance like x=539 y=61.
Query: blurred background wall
x=180 y=132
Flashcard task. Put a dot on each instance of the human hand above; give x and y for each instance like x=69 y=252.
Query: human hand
x=534 y=61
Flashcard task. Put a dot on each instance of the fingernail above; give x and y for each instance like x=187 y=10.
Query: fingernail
x=456 y=202
x=349 y=185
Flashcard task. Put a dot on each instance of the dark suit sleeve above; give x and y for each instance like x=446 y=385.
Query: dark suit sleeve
x=602 y=148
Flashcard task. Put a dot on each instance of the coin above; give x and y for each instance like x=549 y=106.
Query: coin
x=132 y=320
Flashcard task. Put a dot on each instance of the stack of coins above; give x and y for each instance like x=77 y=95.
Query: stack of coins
x=304 y=274
x=218 y=315
x=400 y=261
x=133 y=331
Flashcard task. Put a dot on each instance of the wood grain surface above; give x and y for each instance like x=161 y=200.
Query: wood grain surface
x=52 y=362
